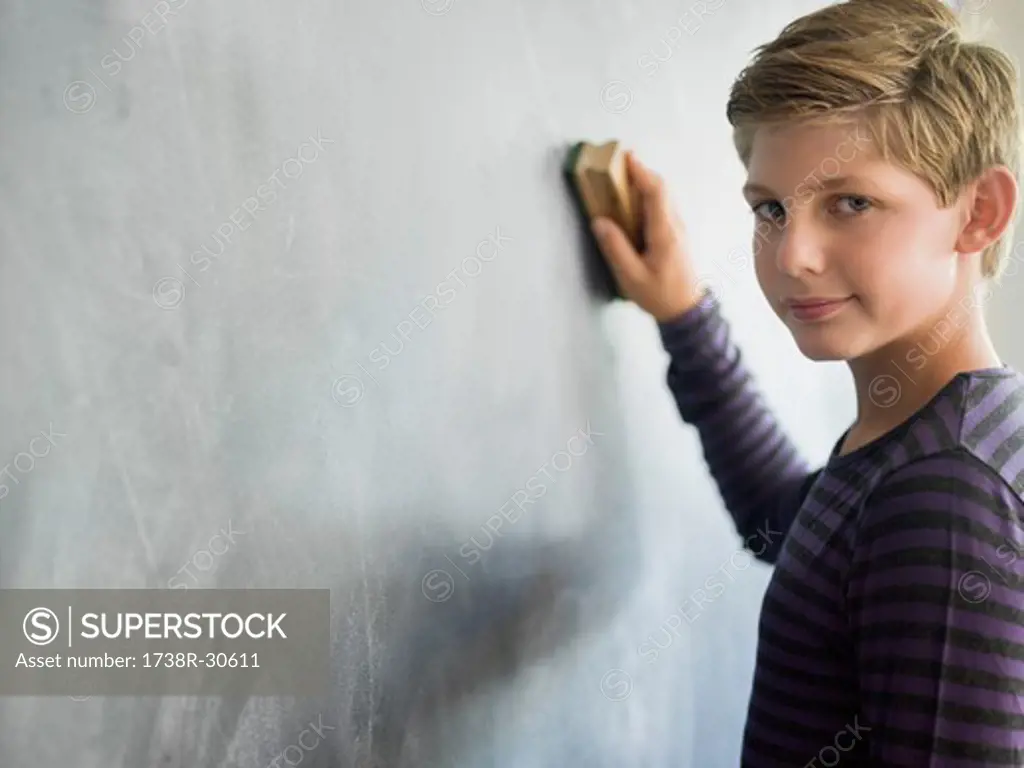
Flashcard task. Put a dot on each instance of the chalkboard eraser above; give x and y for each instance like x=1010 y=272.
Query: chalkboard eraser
x=598 y=174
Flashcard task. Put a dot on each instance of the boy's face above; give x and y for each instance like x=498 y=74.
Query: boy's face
x=833 y=222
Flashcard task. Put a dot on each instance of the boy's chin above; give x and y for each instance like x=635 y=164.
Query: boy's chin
x=824 y=349
x=823 y=355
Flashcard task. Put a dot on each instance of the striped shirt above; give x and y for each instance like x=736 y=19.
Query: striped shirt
x=892 y=629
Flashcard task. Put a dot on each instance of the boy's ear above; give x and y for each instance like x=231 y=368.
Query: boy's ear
x=991 y=205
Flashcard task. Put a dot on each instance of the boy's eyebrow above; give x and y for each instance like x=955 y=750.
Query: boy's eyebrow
x=752 y=187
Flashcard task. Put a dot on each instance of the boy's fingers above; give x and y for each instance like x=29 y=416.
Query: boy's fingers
x=618 y=251
x=657 y=213
x=640 y=176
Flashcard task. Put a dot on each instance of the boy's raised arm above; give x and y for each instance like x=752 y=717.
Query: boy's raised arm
x=760 y=474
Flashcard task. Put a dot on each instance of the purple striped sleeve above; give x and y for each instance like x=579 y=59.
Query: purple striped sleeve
x=760 y=474
x=936 y=608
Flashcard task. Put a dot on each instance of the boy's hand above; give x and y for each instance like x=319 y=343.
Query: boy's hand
x=662 y=280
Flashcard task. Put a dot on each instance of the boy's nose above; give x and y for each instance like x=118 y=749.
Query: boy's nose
x=797 y=252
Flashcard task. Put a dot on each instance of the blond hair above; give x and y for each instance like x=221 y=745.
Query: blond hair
x=941 y=107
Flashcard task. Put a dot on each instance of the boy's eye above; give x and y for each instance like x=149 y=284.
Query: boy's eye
x=855 y=203
x=846 y=205
x=769 y=209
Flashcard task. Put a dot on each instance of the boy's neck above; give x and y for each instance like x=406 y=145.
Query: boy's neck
x=894 y=383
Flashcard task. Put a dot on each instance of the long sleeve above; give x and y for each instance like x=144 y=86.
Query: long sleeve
x=936 y=603
x=760 y=475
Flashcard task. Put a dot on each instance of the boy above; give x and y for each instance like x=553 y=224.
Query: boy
x=882 y=158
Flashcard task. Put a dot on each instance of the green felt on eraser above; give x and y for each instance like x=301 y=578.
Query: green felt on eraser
x=573 y=155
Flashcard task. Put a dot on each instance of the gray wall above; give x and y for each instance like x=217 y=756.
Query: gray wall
x=186 y=397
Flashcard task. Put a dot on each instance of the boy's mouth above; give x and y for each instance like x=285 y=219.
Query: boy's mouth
x=816 y=307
